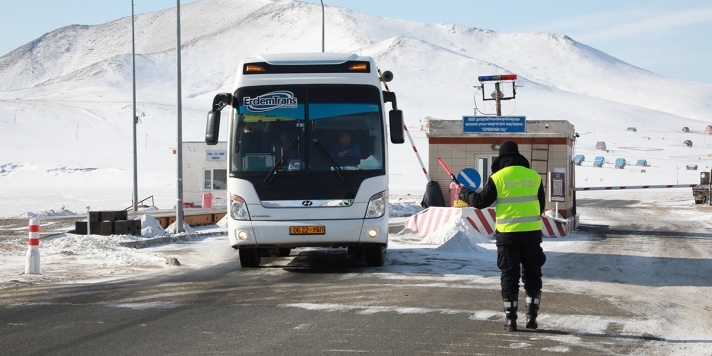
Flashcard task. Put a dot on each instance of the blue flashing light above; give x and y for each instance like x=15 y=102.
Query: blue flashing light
x=489 y=78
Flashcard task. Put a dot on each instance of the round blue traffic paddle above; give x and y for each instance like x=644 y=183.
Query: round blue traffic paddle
x=470 y=178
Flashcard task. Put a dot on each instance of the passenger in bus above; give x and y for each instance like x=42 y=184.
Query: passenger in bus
x=345 y=148
x=281 y=146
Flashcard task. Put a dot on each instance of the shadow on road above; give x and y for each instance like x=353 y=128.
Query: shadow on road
x=605 y=232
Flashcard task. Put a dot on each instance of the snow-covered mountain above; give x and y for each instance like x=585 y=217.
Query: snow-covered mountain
x=68 y=93
x=217 y=33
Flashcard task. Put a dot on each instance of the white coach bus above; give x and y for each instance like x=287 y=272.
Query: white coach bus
x=307 y=154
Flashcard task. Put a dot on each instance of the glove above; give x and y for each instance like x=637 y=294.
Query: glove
x=464 y=191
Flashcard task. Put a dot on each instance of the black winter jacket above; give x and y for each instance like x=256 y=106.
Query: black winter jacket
x=488 y=196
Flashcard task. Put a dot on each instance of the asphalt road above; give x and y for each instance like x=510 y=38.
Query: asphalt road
x=312 y=303
x=287 y=308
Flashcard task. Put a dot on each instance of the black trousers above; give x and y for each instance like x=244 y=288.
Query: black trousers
x=527 y=254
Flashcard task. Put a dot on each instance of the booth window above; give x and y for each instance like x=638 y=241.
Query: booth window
x=216 y=179
x=483 y=165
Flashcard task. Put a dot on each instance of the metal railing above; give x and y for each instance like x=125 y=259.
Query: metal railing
x=141 y=201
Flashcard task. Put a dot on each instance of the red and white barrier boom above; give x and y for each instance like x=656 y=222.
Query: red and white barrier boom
x=623 y=187
x=417 y=154
x=32 y=265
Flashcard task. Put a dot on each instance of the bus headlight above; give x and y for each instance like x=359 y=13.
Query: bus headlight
x=376 y=206
x=238 y=208
x=241 y=234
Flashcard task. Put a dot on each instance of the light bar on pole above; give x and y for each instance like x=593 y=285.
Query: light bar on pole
x=489 y=78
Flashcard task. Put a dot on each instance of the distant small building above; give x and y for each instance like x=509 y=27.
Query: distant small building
x=578 y=159
x=688 y=143
x=205 y=174
x=631 y=128
x=598 y=161
x=691 y=167
x=686 y=129
x=620 y=163
x=642 y=162
x=601 y=145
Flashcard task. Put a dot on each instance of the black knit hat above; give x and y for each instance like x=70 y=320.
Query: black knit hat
x=508 y=147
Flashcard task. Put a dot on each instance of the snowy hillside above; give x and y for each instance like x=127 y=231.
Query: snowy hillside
x=65 y=98
x=217 y=33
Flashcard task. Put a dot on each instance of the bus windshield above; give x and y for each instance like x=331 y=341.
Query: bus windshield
x=307 y=128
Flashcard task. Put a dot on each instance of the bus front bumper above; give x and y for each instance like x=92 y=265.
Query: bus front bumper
x=335 y=233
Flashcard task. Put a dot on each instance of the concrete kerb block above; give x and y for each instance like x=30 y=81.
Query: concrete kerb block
x=183 y=236
x=167 y=239
x=114 y=215
x=557 y=227
x=481 y=220
x=94 y=216
x=429 y=220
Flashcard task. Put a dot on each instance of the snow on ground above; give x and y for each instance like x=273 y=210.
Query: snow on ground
x=72 y=257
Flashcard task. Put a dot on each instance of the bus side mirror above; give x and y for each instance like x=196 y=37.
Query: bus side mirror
x=212 y=129
x=395 y=120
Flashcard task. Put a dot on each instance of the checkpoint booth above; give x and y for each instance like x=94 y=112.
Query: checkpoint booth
x=474 y=142
x=204 y=174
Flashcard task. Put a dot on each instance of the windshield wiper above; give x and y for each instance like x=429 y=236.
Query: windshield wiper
x=280 y=162
x=333 y=164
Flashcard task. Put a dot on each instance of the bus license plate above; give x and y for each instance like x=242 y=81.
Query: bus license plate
x=307 y=230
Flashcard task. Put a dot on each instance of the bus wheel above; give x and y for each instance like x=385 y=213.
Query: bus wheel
x=250 y=257
x=375 y=256
x=284 y=252
x=356 y=250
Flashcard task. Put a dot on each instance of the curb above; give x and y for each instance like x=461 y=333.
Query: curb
x=168 y=239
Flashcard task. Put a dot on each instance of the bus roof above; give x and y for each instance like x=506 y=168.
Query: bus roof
x=282 y=74
x=306 y=58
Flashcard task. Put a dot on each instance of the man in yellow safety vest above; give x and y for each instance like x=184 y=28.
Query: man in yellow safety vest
x=518 y=195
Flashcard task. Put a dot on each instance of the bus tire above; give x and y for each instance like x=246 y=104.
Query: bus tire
x=356 y=250
x=250 y=257
x=284 y=252
x=375 y=256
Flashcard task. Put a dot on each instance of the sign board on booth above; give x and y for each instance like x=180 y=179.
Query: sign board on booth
x=557 y=186
x=494 y=124
x=215 y=155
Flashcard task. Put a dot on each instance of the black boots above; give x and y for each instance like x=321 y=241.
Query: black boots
x=510 y=313
x=532 y=309
x=533 y=300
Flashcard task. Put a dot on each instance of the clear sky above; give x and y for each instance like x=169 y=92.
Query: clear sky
x=672 y=38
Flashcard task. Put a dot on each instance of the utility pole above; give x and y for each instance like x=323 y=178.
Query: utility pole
x=179 y=205
x=322 y=26
x=133 y=111
x=497 y=99
x=497 y=95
